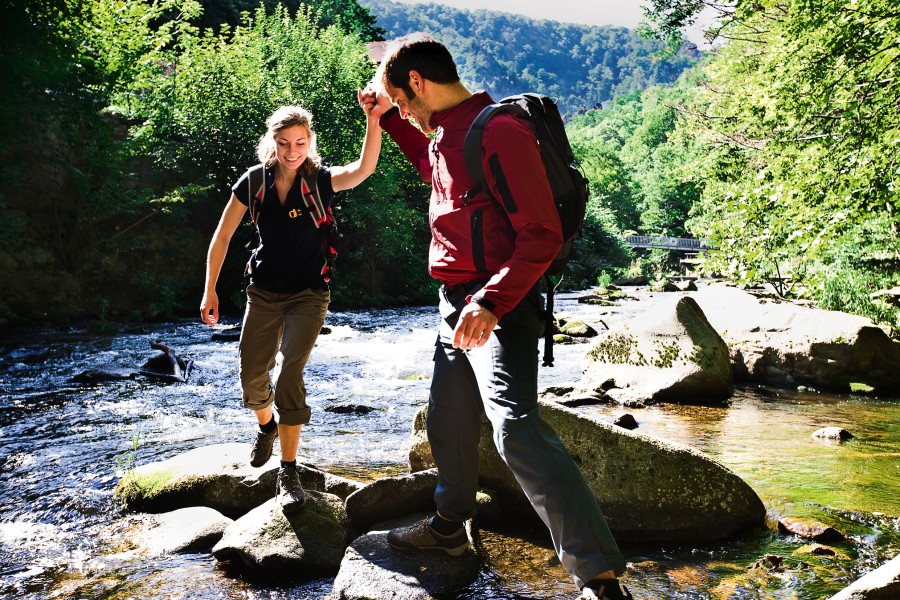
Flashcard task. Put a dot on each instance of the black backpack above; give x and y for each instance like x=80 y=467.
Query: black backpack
x=324 y=215
x=567 y=182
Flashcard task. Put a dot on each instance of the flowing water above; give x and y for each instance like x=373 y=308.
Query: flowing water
x=61 y=443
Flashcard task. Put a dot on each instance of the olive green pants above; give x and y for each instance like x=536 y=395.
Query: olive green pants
x=273 y=323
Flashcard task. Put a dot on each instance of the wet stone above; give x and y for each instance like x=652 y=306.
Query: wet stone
x=811 y=530
x=370 y=569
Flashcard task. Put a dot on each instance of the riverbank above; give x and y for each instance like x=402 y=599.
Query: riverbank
x=61 y=443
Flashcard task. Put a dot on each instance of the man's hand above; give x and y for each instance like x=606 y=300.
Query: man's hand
x=474 y=327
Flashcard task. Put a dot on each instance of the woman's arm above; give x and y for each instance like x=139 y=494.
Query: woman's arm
x=350 y=176
x=215 y=257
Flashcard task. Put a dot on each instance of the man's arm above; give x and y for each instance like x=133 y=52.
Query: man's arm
x=517 y=179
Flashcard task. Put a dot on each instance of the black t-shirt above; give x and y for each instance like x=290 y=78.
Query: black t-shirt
x=290 y=257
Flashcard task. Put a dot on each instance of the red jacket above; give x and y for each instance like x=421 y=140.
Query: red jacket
x=472 y=240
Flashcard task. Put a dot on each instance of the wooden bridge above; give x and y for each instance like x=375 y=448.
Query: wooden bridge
x=667 y=243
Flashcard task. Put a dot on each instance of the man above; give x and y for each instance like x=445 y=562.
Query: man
x=489 y=264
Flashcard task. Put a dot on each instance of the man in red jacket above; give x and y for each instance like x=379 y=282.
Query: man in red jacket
x=489 y=264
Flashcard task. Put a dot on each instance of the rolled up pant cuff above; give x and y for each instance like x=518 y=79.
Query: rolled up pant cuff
x=259 y=404
x=299 y=416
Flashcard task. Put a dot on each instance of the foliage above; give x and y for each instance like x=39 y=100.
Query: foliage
x=70 y=194
x=579 y=65
x=639 y=169
x=125 y=461
x=122 y=132
x=348 y=14
x=799 y=117
x=201 y=117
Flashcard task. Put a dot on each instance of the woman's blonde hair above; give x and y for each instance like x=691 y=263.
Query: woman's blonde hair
x=284 y=117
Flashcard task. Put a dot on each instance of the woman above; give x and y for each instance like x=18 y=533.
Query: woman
x=288 y=294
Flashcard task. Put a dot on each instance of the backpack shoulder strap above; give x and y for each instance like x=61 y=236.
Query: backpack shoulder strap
x=473 y=150
x=309 y=189
x=256 y=187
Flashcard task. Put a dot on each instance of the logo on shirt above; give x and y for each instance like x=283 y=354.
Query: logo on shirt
x=294 y=213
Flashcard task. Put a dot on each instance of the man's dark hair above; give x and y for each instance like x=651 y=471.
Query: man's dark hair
x=418 y=52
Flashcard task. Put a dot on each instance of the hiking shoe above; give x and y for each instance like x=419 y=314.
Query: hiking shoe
x=420 y=536
x=604 y=589
x=288 y=491
x=262 y=447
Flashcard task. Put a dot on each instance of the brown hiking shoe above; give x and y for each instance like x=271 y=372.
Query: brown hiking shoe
x=420 y=536
x=262 y=447
x=288 y=492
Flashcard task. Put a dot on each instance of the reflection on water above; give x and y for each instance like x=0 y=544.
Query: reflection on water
x=765 y=436
x=60 y=442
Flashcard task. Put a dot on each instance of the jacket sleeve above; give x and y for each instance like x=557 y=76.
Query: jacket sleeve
x=517 y=179
x=412 y=142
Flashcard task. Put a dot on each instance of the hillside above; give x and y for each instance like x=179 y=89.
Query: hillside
x=580 y=65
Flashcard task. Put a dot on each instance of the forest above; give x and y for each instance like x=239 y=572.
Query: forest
x=124 y=124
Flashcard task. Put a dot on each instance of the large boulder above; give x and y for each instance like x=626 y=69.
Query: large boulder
x=881 y=584
x=391 y=497
x=649 y=489
x=193 y=529
x=218 y=476
x=306 y=544
x=370 y=570
x=783 y=344
x=669 y=353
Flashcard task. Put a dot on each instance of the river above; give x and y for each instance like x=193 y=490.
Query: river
x=60 y=444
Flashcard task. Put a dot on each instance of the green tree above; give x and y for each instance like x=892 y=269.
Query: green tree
x=348 y=14
x=71 y=197
x=200 y=120
x=800 y=115
x=581 y=66
x=640 y=169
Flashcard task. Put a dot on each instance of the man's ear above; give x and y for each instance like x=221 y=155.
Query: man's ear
x=416 y=82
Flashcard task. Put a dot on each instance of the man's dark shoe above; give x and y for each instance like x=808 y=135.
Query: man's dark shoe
x=262 y=448
x=604 y=589
x=288 y=491
x=420 y=536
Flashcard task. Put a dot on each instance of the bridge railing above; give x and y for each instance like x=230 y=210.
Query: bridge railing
x=667 y=243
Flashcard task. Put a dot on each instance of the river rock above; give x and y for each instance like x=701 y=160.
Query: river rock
x=636 y=281
x=166 y=366
x=668 y=353
x=577 y=329
x=881 y=584
x=218 y=476
x=391 y=497
x=112 y=373
x=626 y=421
x=227 y=334
x=782 y=344
x=811 y=530
x=349 y=408
x=370 y=570
x=192 y=529
x=649 y=489
x=663 y=285
x=304 y=544
x=836 y=434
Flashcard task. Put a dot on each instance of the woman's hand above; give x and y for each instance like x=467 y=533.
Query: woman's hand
x=368 y=102
x=209 y=308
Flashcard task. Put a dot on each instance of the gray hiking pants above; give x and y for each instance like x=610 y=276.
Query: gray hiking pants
x=286 y=323
x=501 y=377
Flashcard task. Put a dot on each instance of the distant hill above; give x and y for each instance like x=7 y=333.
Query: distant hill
x=581 y=66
